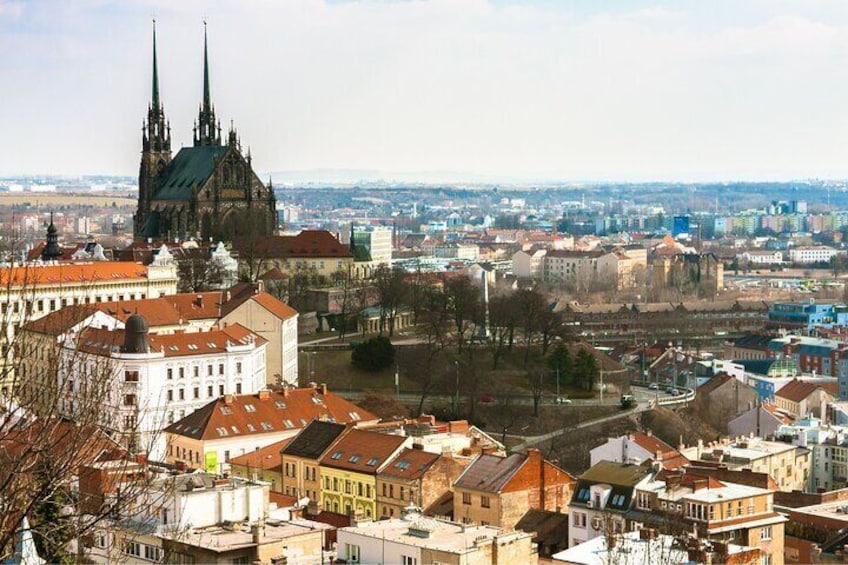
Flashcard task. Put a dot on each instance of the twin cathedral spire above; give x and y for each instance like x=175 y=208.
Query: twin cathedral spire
x=207 y=128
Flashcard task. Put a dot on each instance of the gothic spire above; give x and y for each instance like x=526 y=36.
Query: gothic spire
x=155 y=96
x=207 y=133
x=207 y=97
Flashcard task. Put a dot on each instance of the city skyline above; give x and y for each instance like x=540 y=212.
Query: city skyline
x=505 y=90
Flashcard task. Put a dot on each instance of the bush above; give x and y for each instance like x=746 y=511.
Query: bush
x=373 y=355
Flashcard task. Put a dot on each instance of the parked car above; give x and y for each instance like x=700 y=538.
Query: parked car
x=627 y=401
x=672 y=391
x=562 y=400
x=653 y=386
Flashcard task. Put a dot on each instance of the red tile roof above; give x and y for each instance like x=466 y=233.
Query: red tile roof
x=281 y=500
x=101 y=341
x=72 y=273
x=275 y=306
x=490 y=473
x=267 y=457
x=796 y=391
x=266 y=412
x=60 y=321
x=362 y=451
x=308 y=243
x=410 y=464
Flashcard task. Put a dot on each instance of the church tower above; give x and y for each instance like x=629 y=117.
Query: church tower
x=206 y=130
x=156 y=148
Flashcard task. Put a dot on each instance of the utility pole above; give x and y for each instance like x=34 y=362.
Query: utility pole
x=397 y=382
x=456 y=402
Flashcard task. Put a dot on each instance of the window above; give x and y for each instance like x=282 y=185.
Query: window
x=765 y=533
x=182 y=372
x=406 y=560
x=466 y=498
x=210 y=391
x=196 y=392
x=238 y=367
x=209 y=370
x=220 y=390
x=238 y=388
x=182 y=394
x=220 y=368
x=352 y=553
x=170 y=373
x=129 y=400
x=196 y=371
x=484 y=501
x=226 y=455
x=131 y=376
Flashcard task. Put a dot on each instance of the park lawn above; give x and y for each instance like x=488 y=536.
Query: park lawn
x=333 y=366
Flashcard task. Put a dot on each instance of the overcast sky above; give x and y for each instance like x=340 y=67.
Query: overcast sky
x=547 y=89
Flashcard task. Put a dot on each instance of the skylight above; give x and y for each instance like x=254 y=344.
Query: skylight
x=402 y=464
x=250 y=408
x=280 y=405
x=371 y=462
x=337 y=455
x=355 y=458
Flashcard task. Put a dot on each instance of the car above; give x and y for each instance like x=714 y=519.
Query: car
x=627 y=401
x=653 y=386
x=672 y=391
x=562 y=400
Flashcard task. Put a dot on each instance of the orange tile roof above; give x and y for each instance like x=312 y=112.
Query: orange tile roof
x=245 y=414
x=362 y=451
x=72 y=273
x=100 y=341
x=281 y=500
x=275 y=306
x=796 y=391
x=157 y=311
x=60 y=321
x=410 y=464
x=265 y=458
x=308 y=243
x=197 y=305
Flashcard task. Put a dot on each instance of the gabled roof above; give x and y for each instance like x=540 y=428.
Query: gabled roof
x=60 y=321
x=796 y=391
x=267 y=457
x=314 y=439
x=266 y=412
x=362 y=451
x=191 y=167
x=273 y=305
x=714 y=383
x=72 y=273
x=490 y=473
x=306 y=244
x=621 y=474
x=410 y=464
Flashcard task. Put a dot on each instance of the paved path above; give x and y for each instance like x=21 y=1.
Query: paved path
x=533 y=440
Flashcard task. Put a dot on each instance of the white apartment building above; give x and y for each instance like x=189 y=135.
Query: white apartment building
x=376 y=240
x=812 y=254
x=828 y=446
x=762 y=256
x=419 y=540
x=157 y=379
x=528 y=264
x=461 y=251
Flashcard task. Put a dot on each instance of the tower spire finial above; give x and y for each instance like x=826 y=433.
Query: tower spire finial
x=155 y=95
x=207 y=97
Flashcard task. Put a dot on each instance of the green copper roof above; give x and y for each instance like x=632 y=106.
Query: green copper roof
x=191 y=167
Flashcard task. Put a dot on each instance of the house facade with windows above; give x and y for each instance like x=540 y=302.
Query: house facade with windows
x=415 y=477
x=348 y=471
x=602 y=497
x=232 y=425
x=498 y=491
x=301 y=458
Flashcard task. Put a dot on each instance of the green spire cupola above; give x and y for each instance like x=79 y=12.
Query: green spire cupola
x=207 y=131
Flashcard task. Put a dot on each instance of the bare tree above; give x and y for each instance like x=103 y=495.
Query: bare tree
x=466 y=307
x=392 y=292
x=503 y=317
x=197 y=272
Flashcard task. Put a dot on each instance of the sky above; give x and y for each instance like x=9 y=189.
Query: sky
x=439 y=89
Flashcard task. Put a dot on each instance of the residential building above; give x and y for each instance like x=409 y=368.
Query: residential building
x=419 y=540
x=705 y=271
x=724 y=397
x=749 y=347
x=602 y=497
x=648 y=546
x=820 y=356
x=348 y=471
x=415 y=477
x=301 y=458
x=528 y=264
x=637 y=448
x=800 y=398
x=806 y=317
x=679 y=501
x=152 y=380
x=762 y=256
x=272 y=319
x=788 y=465
x=262 y=464
x=231 y=425
x=762 y=420
x=371 y=247
x=199 y=518
x=315 y=252
x=459 y=251
x=498 y=491
x=828 y=447
x=812 y=254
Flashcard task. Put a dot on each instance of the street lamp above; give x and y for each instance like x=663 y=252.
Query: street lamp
x=456 y=402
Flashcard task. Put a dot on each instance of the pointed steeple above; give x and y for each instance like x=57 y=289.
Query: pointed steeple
x=207 y=133
x=51 y=249
x=155 y=95
x=207 y=96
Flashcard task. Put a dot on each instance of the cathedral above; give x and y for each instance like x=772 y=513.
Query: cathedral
x=208 y=190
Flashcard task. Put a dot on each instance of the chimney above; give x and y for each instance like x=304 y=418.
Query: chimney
x=257 y=532
x=322 y=388
x=285 y=392
x=535 y=458
x=260 y=286
x=428 y=419
x=264 y=394
x=228 y=399
x=199 y=301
